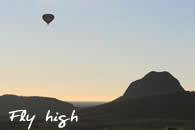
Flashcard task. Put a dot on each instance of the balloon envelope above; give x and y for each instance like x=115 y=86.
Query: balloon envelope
x=48 y=18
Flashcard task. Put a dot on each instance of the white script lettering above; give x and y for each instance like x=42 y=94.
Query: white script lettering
x=23 y=117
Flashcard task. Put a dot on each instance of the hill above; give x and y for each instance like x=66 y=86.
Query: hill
x=157 y=97
x=34 y=105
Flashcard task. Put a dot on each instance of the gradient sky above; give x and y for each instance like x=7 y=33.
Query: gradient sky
x=95 y=48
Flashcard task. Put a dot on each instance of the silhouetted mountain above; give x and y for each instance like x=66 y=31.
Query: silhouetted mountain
x=35 y=105
x=154 y=83
x=144 y=111
x=159 y=96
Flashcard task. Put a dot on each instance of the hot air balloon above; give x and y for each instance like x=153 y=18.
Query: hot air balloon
x=48 y=18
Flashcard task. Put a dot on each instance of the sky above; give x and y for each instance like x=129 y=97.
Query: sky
x=93 y=49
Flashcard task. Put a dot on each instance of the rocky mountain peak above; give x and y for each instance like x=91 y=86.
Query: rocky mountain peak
x=154 y=83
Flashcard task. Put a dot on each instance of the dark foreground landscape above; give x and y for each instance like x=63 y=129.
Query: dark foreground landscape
x=155 y=102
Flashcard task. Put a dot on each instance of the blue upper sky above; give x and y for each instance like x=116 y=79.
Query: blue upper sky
x=93 y=45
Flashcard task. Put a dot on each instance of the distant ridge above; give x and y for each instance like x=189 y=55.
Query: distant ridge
x=154 y=83
x=35 y=105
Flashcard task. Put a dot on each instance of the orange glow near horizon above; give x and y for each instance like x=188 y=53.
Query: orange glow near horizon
x=69 y=90
x=67 y=98
x=65 y=94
